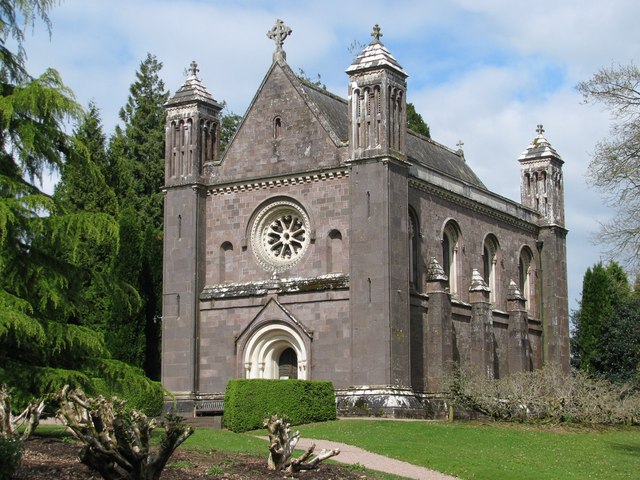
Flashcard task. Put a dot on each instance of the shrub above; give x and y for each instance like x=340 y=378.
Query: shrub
x=125 y=381
x=105 y=377
x=248 y=402
x=10 y=455
x=117 y=439
x=545 y=395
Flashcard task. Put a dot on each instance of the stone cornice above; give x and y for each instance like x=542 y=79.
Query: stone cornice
x=271 y=182
x=334 y=281
x=475 y=205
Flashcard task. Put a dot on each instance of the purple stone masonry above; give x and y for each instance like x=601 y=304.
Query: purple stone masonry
x=330 y=242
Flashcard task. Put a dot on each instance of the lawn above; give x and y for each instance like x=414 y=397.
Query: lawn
x=472 y=450
x=468 y=450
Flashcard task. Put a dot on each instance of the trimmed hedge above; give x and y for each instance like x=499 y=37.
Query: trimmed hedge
x=248 y=402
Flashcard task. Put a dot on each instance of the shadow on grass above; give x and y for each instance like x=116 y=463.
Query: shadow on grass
x=625 y=448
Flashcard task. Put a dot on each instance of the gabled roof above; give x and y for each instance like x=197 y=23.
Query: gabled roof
x=428 y=153
x=332 y=108
x=420 y=150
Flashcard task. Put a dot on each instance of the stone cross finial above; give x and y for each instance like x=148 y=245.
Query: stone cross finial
x=278 y=34
x=540 y=130
x=193 y=68
x=376 y=34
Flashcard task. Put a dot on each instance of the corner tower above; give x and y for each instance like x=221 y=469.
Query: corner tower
x=191 y=147
x=378 y=249
x=541 y=185
x=542 y=189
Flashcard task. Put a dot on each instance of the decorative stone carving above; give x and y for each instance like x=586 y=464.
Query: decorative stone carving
x=278 y=34
x=280 y=236
x=435 y=273
x=477 y=282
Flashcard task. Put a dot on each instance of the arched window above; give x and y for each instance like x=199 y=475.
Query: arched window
x=277 y=127
x=414 y=251
x=335 y=262
x=226 y=262
x=450 y=254
x=490 y=262
x=526 y=278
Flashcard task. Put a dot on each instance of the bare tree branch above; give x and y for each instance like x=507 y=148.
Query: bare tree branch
x=615 y=165
x=282 y=445
x=117 y=438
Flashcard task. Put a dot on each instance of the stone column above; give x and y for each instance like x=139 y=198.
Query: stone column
x=438 y=336
x=482 y=345
x=519 y=348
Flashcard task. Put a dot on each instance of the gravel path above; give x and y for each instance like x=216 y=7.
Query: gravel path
x=351 y=455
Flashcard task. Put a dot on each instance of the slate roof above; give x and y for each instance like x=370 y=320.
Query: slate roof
x=539 y=148
x=192 y=91
x=375 y=55
x=420 y=150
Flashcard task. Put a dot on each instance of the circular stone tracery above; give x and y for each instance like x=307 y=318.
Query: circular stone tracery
x=280 y=235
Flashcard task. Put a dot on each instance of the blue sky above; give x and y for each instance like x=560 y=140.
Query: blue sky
x=482 y=71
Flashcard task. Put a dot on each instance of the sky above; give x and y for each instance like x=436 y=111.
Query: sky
x=484 y=72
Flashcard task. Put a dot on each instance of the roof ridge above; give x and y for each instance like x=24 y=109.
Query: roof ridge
x=432 y=141
x=322 y=90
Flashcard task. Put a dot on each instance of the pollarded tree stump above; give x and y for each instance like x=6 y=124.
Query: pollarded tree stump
x=282 y=445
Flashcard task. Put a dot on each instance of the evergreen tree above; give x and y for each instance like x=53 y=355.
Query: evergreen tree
x=617 y=357
x=415 y=121
x=228 y=127
x=82 y=190
x=43 y=343
x=603 y=290
x=137 y=157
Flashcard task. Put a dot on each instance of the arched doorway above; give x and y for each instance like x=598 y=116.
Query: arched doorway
x=275 y=350
x=288 y=364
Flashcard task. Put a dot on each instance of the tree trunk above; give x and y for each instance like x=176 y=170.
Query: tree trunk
x=117 y=439
x=282 y=445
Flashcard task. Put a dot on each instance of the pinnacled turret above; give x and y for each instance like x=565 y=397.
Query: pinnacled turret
x=193 y=131
x=377 y=100
x=541 y=185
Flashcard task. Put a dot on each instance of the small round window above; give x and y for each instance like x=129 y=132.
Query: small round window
x=280 y=235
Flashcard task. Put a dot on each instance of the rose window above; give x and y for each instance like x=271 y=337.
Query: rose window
x=280 y=235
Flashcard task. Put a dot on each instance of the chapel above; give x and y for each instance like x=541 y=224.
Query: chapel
x=331 y=242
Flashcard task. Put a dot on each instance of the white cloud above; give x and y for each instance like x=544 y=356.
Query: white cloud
x=483 y=72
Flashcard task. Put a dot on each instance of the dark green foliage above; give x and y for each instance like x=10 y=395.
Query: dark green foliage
x=137 y=158
x=606 y=340
x=56 y=287
x=602 y=289
x=617 y=356
x=228 y=127
x=248 y=402
x=415 y=121
x=99 y=376
x=10 y=455
x=124 y=381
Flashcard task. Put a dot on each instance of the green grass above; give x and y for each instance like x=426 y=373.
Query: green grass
x=207 y=439
x=472 y=450
x=469 y=450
